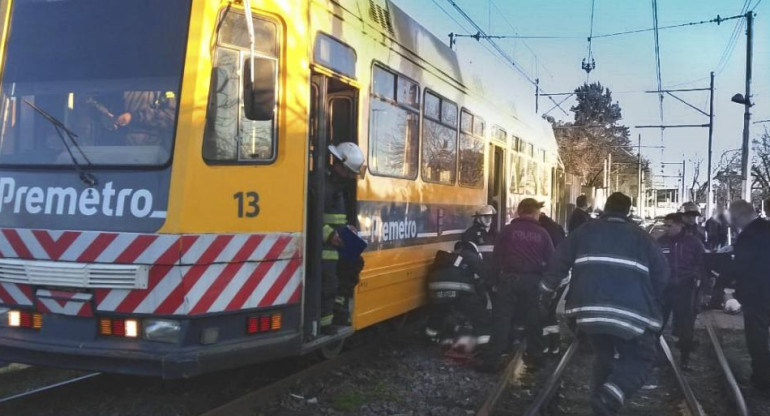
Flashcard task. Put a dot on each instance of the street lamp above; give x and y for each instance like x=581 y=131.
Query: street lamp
x=746 y=147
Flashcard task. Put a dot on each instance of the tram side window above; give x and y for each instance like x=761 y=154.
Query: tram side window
x=393 y=125
x=230 y=136
x=439 y=140
x=471 y=150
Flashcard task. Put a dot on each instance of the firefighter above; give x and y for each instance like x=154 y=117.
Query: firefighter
x=618 y=278
x=457 y=287
x=521 y=252
x=339 y=212
x=685 y=255
x=483 y=236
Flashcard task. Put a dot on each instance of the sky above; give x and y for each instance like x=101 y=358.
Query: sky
x=624 y=64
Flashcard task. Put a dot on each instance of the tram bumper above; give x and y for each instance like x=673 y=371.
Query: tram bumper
x=159 y=361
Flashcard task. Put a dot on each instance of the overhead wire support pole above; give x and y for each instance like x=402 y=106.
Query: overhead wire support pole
x=746 y=150
x=710 y=189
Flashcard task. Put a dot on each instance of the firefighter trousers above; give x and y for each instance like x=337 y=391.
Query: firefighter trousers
x=623 y=376
x=329 y=283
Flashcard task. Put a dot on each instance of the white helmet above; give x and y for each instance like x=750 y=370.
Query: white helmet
x=350 y=155
x=485 y=210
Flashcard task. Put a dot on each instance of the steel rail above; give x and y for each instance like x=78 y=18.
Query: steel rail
x=689 y=397
x=246 y=404
x=544 y=396
x=494 y=394
x=734 y=388
x=47 y=388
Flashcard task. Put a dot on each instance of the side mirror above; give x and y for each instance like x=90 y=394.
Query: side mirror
x=259 y=94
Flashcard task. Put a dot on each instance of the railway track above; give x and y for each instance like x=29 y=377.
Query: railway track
x=39 y=393
x=543 y=402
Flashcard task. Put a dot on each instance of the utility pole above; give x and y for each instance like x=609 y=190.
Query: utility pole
x=609 y=170
x=710 y=192
x=681 y=200
x=537 y=95
x=639 y=175
x=746 y=153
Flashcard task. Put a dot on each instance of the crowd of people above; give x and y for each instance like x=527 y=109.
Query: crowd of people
x=622 y=287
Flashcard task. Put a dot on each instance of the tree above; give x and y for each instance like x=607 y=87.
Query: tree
x=595 y=133
x=760 y=168
x=698 y=190
x=727 y=178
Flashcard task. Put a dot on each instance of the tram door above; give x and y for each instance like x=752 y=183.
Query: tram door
x=496 y=193
x=333 y=120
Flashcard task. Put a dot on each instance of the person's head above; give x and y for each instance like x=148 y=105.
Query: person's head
x=461 y=246
x=582 y=202
x=484 y=215
x=674 y=223
x=349 y=160
x=529 y=208
x=742 y=213
x=618 y=203
x=690 y=213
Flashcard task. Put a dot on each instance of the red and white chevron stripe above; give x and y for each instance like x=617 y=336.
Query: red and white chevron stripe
x=64 y=303
x=13 y=294
x=188 y=275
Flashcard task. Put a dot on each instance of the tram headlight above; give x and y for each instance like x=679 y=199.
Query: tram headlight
x=162 y=330
x=14 y=318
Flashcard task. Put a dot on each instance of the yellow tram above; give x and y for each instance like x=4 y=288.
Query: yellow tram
x=154 y=200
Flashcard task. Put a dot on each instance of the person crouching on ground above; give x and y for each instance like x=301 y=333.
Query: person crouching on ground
x=618 y=278
x=685 y=255
x=522 y=252
x=457 y=287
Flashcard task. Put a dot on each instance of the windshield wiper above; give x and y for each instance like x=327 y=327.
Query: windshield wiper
x=86 y=177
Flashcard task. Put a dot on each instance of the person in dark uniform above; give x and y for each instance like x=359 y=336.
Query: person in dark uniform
x=685 y=255
x=716 y=230
x=481 y=234
x=522 y=252
x=551 y=330
x=690 y=213
x=618 y=279
x=339 y=212
x=750 y=270
x=457 y=289
x=579 y=215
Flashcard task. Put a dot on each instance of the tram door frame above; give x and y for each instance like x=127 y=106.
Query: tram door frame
x=325 y=128
x=496 y=189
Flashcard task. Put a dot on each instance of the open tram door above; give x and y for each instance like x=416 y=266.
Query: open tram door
x=333 y=120
x=496 y=192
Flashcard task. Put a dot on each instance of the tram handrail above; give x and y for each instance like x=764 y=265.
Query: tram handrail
x=689 y=397
x=550 y=386
x=737 y=395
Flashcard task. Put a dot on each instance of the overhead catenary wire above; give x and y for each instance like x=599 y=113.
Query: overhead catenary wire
x=499 y=49
x=733 y=40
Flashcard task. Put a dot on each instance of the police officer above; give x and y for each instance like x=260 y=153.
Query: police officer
x=521 y=253
x=690 y=213
x=339 y=212
x=685 y=255
x=617 y=283
x=458 y=294
x=751 y=272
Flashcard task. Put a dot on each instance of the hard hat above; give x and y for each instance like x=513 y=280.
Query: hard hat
x=350 y=155
x=485 y=210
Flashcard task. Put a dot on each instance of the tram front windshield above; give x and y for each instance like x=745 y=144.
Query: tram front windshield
x=93 y=80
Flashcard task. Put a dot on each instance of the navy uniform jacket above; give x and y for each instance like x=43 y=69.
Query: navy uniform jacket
x=618 y=277
x=750 y=268
x=523 y=247
x=685 y=256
